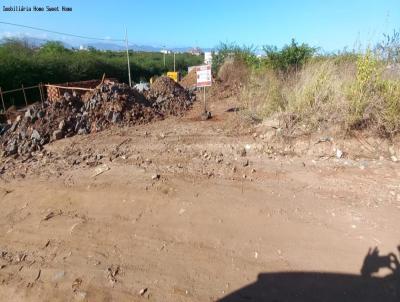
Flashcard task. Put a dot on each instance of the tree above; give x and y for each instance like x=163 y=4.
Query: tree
x=53 y=47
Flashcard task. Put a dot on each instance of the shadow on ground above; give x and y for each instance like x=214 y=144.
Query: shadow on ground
x=327 y=287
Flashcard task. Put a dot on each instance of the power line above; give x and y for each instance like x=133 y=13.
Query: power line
x=61 y=33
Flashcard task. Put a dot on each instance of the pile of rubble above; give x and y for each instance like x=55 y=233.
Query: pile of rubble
x=110 y=103
x=169 y=97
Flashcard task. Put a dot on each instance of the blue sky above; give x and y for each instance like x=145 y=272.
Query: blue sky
x=329 y=24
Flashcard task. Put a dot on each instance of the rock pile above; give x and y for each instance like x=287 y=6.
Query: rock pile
x=169 y=97
x=111 y=103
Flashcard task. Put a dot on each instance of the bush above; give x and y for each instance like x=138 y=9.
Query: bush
x=290 y=58
x=363 y=92
x=224 y=51
x=374 y=101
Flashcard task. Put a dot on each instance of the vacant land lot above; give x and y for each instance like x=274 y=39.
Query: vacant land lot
x=180 y=210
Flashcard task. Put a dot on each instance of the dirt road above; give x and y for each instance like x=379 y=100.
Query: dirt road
x=180 y=210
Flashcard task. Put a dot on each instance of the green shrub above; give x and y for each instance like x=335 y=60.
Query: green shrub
x=363 y=92
x=290 y=57
x=224 y=51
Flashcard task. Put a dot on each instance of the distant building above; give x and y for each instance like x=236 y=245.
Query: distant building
x=208 y=57
x=165 y=51
x=82 y=47
x=196 y=51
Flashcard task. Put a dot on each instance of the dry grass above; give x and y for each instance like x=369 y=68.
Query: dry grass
x=326 y=93
x=263 y=95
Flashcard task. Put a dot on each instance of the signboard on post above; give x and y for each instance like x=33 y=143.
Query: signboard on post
x=204 y=78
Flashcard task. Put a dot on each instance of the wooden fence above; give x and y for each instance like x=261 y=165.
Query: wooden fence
x=53 y=92
x=23 y=89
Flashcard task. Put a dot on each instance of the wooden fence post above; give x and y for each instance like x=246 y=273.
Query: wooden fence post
x=41 y=93
x=2 y=100
x=23 y=91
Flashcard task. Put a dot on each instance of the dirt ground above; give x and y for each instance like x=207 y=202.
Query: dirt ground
x=182 y=210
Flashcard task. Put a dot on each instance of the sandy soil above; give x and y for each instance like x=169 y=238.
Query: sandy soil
x=178 y=211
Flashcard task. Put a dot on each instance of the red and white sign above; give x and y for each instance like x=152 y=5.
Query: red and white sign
x=204 y=78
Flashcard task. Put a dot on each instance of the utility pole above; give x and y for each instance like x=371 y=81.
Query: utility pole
x=174 y=61
x=164 y=51
x=127 y=57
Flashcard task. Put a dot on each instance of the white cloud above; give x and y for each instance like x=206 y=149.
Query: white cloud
x=7 y=34
x=22 y=35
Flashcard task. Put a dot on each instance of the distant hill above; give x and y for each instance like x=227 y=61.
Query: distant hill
x=37 y=42
x=120 y=47
x=33 y=42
